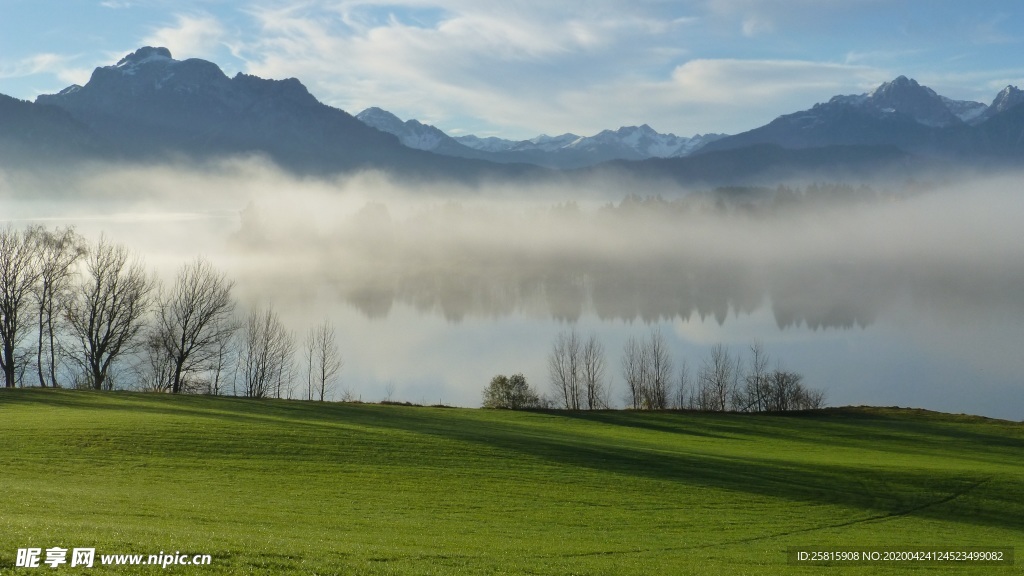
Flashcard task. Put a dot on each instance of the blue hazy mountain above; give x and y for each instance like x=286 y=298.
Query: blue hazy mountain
x=150 y=106
x=901 y=114
x=563 y=151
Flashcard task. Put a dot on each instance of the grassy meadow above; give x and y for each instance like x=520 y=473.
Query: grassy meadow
x=287 y=487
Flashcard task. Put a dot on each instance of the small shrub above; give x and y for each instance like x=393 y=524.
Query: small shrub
x=511 y=392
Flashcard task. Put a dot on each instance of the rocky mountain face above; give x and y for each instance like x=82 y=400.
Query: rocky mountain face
x=1008 y=98
x=31 y=133
x=626 y=143
x=901 y=114
x=898 y=115
x=151 y=105
x=411 y=133
x=922 y=104
x=564 y=151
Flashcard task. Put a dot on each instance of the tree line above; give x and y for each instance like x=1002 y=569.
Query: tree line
x=87 y=315
x=90 y=315
x=655 y=380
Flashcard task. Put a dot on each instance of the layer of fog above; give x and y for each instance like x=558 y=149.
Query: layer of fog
x=440 y=286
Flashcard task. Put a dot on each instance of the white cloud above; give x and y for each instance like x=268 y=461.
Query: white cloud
x=462 y=65
x=753 y=18
x=529 y=66
x=521 y=67
x=754 y=26
x=35 y=64
x=746 y=82
x=720 y=95
x=190 y=36
x=60 y=66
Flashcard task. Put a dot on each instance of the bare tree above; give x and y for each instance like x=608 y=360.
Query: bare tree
x=310 y=355
x=717 y=380
x=647 y=369
x=107 y=312
x=753 y=397
x=348 y=394
x=57 y=254
x=323 y=360
x=634 y=371
x=219 y=361
x=265 y=357
x=683 y=392
x=194 y=321
x=19 y=271
x=785 y=387
x=811 y=399
x=154 y=370
x=593 y=374
x=658 y=377
x=565 y=368
x=285 y=365
x=786 y=391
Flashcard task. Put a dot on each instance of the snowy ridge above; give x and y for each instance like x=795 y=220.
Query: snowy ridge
x=141 y=57
x=546 y=143
x=966 y=110
x=630 y=142
x=565 y=150
x=644 y=141
x=410 y=133
x=1007 y=98
x=905 y=96
x=486 y=144
x=149 y=105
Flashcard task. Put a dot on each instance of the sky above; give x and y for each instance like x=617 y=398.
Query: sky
x=519 y=68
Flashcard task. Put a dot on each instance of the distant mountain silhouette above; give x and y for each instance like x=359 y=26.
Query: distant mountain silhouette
x=31 y=133
x=901 y=114
x=151 y=105
x=564 y=151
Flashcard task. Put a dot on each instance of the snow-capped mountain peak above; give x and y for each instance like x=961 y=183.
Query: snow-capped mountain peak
x=144 y=55
x=900 y=84
x=547 y=143
x=485 y=144
x=411 y=133
x=1007 y=98
x=638 y=142
x=966 y=110
x=380 y=119
x=907 y=97
x=70 y=90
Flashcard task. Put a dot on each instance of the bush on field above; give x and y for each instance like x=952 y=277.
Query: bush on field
x=510 y=392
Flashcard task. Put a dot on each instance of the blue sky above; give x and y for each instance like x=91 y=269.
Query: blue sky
x=518 y=68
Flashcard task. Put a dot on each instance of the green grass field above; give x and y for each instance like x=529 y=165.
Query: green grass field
x=277 y=487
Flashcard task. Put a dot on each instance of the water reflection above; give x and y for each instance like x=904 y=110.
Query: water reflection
x=481 y=264
x=911 y=300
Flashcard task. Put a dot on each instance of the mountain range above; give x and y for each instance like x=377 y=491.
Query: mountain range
x=566 y=151
x=150 y=106
x=900 y=113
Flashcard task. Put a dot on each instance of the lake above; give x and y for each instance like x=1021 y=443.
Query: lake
x=903 y=299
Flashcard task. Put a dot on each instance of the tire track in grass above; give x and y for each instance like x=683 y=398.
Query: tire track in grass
x=870 y=519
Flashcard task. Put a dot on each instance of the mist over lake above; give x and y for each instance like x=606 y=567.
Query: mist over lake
x=877 y=296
